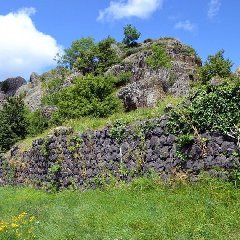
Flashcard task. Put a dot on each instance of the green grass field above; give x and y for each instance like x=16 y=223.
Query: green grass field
x=144 y=209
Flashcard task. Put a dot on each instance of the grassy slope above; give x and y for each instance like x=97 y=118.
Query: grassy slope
x=89 y=123
x=142 y=210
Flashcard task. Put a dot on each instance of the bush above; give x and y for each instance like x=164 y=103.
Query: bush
x=13 y=123
x=37 y=123
x=159 y=58
x=209 y=108
x=216 y=65
x=123 y=79
x=89 y=96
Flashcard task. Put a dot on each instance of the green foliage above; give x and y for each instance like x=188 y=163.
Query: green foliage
x=209 y=108
x=88 y=57
x=132 y=50
x=159 y=58
x=118 y=130
x=216 y=65
x=131 y=34
x=143 y=209
x=123 y=78
x=185 y=140
x=106 y=56
x=89 y=96
x=37 y=123
x=13 y=123
x=80 y=55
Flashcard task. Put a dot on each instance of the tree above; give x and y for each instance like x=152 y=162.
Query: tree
x=81 y=55
x=13 y=123
x=131 y=34
x=216 y=65
x=106 y=56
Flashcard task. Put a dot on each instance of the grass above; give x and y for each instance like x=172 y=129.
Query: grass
x=89 y=123
x=144 y=209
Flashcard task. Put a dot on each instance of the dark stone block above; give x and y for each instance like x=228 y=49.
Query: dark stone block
x=164 y=152
x=213 y=148
x=229 y=147
x=154 y=141
x=171 y=139
x=163 y=140
x=158 y=131
x=220 y=160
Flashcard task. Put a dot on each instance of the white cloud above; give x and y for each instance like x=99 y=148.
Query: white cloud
x=24 y=49
x=185 y=25
x=130 y=8
x=213 y=8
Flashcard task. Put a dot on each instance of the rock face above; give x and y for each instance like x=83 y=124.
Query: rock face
x=9 y=87
x=147 y=86
x=66 y=158
x=34 y=90
x=238 y=72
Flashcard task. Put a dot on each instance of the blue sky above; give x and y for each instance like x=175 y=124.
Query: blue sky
x=32 y=31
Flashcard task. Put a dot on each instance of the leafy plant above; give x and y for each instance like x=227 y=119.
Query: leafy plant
x=89 y=96
x=80 y=55
x=123 y=79
x=37 y=123
x=13 y=123
x=185 y=140
x=216 y=65
x=159 y=58
x=118 y=130
x=209 y=108
x=106 y=56
x=131 y=34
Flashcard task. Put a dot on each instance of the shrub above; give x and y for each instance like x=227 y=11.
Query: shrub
x=36 y=123
x=13 y=123
x=4 y=86
x=106 y=56
x=159 y=58
x=209 y=108
x=89 y=96
x=216 y=65
x=123 y=79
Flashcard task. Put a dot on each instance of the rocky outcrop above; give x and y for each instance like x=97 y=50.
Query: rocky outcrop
x=148 y=86
x=67 y=159
x=34 y=91
x=9 y=87
x=238 y=72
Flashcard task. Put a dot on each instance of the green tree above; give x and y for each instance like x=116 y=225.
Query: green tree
x=13 y=123
x=80 y=55
x=106 y=56
x=216 y=65
x=131 y=34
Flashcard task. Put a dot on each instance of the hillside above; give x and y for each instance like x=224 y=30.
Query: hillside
x=122 y=141
x=188 y=139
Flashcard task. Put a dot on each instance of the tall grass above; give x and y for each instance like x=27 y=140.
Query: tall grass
x=144 y=209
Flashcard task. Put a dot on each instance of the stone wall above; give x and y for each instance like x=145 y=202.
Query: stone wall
x=84 y=160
